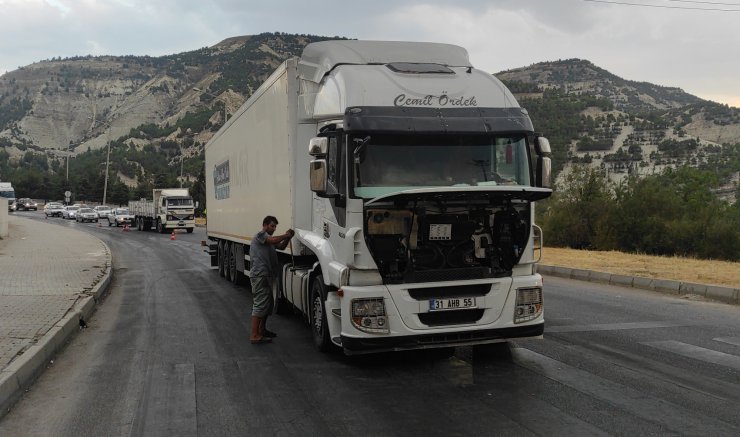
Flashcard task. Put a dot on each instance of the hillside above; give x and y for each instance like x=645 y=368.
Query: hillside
x=148 y=109
x=625 y=127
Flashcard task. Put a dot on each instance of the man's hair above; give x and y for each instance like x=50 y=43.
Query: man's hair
x=269 y=219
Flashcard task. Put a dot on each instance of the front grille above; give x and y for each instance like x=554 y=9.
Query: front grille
x=453 y=317
x=448 y=274
x=473 y=290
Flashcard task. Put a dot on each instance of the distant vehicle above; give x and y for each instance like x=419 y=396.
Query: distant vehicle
x=86 y=215
x=70 y=212
x=120 y=216
x=102 y=210
x=26 y=204
x=53 y=209
x=7 y=192
x=169 y=209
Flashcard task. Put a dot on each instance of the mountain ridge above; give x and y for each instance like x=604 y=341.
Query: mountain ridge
x=143 y=103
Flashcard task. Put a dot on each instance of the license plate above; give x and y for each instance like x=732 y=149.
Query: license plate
x=180 y=223
x=455 y=303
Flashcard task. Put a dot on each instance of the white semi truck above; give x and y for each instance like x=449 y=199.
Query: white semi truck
x=410 y=179
x=169 y=209
x=7 y=192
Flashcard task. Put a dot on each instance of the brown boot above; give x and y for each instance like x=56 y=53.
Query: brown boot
x=255 y=336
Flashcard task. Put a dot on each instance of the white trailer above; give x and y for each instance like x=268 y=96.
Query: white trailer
x=169 y=209
x=410 y=179
x=7 y=192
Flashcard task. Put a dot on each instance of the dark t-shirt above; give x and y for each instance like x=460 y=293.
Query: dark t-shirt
x=263 y=256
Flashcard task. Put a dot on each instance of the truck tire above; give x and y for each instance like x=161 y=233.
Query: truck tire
x=227 y=260
x=160 y=227
x=190 y=230
x=220 y=256
x=317 y=316
x=234 y=274
x=139 y=224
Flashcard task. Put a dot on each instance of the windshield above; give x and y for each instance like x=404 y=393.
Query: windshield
x=122 y=211
x=10 y=194
x=179 y=201
x=394 y=163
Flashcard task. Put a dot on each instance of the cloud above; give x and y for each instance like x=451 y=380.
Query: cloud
x=694 y=50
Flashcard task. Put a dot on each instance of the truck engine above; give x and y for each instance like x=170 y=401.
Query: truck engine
x=426 y=243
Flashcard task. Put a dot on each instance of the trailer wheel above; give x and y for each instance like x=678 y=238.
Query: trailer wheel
x=319 y=326
x=228 y=260
x=220 y=256
x=234 y=274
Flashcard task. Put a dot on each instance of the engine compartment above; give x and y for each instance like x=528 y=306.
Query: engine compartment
x=424 y=243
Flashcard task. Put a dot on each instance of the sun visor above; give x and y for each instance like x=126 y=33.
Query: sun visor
x=436 y=120
x=467 y=193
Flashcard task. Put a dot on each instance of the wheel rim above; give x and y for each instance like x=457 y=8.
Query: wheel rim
x=318 y=316
x=232 y=264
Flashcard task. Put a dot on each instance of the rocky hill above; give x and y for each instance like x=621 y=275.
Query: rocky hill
x=159 y=111
x=625 y=127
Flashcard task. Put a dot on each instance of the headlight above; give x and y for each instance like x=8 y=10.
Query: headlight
x=528 y=304
x=368 y=315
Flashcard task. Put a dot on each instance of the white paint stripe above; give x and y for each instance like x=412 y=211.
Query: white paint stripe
x=697 y=353
x=729 y=340
x=612 y=326
x=634 y=401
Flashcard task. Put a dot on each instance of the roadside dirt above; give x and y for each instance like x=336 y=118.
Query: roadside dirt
x=676 y=268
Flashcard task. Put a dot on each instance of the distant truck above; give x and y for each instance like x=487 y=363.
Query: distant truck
x=410 y=179
x=7 y=192
x=169 y=209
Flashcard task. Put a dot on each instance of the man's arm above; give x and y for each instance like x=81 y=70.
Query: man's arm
x=280 y=241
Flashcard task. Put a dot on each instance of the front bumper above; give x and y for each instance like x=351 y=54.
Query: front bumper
x=412 y=324
x=358 y=345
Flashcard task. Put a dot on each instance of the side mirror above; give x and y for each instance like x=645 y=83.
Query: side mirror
x=317 y=173
x=544 y=171
x=318 y=146
x=542 y=146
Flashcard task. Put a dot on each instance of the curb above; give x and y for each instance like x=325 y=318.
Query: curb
x=724 y=294
x=22 y=372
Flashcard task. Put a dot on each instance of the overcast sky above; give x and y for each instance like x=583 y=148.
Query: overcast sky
x=693 y=45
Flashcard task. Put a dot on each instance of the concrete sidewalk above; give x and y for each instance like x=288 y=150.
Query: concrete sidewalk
x=51 y=276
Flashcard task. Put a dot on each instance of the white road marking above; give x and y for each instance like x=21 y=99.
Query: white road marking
x=697 y=353
x=612 y=326
x=729 y=340
x=626 y=398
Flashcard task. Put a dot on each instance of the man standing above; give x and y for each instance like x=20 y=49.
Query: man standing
x=264 y=271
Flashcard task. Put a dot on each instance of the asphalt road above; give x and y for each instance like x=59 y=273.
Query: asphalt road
x=167 y=353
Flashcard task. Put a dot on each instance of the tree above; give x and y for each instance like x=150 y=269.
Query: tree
x=577 y=214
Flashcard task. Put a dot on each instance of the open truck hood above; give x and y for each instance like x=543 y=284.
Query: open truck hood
x=467 y=192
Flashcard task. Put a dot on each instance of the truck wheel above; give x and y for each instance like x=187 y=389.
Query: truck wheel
x=227 y=260
x=190 y=230
x=234 y=274
x=221 y=262
x=319 y=326
x=160 y=228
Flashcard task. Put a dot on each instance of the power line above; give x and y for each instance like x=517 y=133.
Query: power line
x=671 y=7
x=705 y=3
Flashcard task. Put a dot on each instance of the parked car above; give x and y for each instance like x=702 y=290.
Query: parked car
x=53 y=209
x=102 y=210
x=86 y=215
x=70 y=212
x=26 y=204
x=120 y=216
